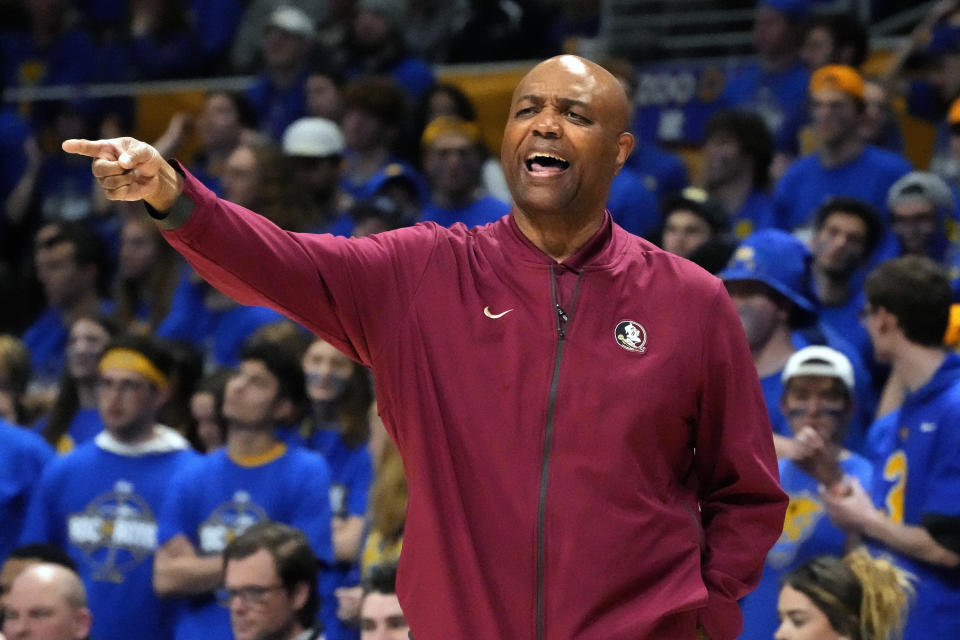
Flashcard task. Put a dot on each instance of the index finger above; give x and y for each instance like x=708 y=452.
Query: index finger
x=104 y=149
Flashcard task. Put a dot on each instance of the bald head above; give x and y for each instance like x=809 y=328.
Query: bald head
x=56 y=578
x=46 y=602
x=606 y=88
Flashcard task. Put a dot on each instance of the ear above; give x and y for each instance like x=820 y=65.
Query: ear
x=163 y=395
x=886 y=321
x=624 y=147
x=82 y=622
x=283 y=410
x=301 y=593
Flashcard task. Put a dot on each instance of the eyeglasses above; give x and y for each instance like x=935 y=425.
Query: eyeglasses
x=123 y=387
x=252 y=594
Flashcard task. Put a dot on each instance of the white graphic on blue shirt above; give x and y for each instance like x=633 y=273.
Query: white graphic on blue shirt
x=228 y=521
x=116 y=531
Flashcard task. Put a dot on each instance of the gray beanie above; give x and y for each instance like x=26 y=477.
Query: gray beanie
x=925 y=186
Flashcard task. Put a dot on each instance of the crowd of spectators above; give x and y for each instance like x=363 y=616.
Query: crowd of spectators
x=148 y=420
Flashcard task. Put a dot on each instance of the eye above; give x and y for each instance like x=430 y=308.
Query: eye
x=526 y=112
x=578 y=118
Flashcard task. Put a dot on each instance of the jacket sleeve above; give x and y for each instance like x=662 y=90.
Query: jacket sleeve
x=742 y=505
x=349 y=291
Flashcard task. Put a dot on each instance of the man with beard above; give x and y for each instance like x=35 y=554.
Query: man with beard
x=525 y=411
x=100 y=503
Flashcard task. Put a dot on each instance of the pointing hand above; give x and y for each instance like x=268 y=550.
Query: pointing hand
x=128 y=169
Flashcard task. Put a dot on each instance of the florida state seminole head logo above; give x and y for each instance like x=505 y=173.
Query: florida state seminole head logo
x=631 y=336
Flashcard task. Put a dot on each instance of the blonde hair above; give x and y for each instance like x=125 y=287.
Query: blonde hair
x=887 y=592
x=388 y=495
x=863 y=597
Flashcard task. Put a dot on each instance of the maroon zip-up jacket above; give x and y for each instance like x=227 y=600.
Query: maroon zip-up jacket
x=586 y=443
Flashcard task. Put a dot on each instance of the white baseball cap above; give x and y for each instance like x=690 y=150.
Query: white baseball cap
x=313 y=138
x=817 y=360
x=293 y=20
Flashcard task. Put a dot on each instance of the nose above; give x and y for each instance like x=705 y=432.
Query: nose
x=547 y=124
x=781 y=633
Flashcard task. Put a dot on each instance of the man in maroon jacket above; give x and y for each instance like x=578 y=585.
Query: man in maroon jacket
x=584 y=436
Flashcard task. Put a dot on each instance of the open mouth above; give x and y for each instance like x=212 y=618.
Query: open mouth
x=545 y=164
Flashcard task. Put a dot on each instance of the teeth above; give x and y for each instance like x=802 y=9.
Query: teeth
x=533 y=156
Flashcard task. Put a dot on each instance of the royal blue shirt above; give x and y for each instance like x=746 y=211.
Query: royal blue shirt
x=807 y=533
x=215 y=500
x=23 y=454
x=918 y=474
x=101 y=507
x=807 y=183
x=481 y=211
x=632 y=204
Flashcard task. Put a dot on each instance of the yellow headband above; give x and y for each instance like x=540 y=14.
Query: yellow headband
x=130 y=360
x=446 y=125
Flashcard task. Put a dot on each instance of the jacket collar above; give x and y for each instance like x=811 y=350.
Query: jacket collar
x=601 y=251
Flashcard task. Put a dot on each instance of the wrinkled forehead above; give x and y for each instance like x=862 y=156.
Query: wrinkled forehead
x=565 y=77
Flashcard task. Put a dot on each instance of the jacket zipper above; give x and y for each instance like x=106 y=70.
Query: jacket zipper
x=562 y=322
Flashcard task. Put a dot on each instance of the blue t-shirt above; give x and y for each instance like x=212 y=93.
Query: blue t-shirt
x=25 y=63
x=807 y=183
x=277 y=108
x=755 y=214
x=633 y=205
x=772 y=389
x=662 y=172
x=219 y=334
x=481 y=211
x=807 y=533
x=23 y=456
x=14 y=132
x=215 y=500
x=918 y=474
x=351 y=474
x=84 y=426
x=776 y=96
x=102 y=508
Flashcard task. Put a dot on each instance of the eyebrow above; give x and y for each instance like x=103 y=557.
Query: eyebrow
x=567 y=102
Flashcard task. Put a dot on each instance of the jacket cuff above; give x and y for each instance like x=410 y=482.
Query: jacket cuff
x=182 y=207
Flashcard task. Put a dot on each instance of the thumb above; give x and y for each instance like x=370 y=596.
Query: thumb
x=134 y=153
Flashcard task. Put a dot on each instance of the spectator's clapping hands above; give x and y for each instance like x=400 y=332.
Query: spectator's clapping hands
x=850 y=509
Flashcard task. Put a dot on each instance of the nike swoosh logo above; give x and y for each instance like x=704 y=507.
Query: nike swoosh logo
x=490 y=314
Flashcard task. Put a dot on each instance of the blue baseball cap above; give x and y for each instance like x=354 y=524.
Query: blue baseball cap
x=783 y=263
x=401 y=172
x=795 y=9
